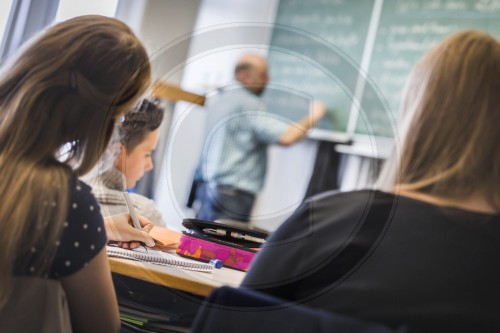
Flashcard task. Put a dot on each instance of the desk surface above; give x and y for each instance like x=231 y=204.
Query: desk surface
x=198 y=283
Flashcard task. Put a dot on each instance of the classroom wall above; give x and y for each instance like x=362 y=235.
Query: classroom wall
x=159 y=23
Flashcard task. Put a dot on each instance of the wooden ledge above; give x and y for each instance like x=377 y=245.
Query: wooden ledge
x=174 y=93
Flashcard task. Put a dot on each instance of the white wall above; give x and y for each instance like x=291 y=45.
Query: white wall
x=160 y=24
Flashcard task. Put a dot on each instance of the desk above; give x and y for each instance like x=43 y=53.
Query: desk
x=175 y=293
x=197 y=283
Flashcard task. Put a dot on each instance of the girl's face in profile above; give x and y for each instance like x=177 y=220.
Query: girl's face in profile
x=134 y=163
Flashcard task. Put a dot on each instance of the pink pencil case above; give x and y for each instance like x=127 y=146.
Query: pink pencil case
x=234 y=246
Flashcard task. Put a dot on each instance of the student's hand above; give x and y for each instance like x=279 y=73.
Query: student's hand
x=119 y=228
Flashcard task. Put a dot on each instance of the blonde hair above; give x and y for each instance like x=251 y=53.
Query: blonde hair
x=65 y=88
x=452 y=109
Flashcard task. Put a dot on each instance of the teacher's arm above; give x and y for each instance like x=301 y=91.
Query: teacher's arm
x=297 y=131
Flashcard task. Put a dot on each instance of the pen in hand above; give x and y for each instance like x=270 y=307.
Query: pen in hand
x=133 y=215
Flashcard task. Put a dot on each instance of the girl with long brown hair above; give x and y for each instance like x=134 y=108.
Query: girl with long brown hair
x=59 y=100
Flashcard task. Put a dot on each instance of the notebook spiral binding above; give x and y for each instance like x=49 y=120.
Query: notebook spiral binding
x=160 y=260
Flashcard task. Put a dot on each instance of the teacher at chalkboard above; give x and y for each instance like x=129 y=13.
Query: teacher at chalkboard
x=239 y=130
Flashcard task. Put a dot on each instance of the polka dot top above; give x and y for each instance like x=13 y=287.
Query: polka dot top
x=83 y=235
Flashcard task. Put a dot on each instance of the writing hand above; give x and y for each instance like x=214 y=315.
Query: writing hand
x=119 y=228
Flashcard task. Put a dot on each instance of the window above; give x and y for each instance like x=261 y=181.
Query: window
x=4 y=15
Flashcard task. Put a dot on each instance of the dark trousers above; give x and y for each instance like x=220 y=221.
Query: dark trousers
x=224 y=202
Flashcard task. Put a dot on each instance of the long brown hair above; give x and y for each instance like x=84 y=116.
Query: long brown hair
x=62 y=92
x=451 y=147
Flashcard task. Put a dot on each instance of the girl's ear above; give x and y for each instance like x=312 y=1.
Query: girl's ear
x=121 y=155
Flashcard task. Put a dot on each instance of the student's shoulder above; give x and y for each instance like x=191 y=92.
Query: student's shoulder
x=79 y=187
x=344 y=195
x=147 y=207
x=355 y=199
x=81 y=195
x=333 y=212
x=141 y=200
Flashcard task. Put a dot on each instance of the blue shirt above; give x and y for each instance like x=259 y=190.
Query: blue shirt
x=239 y=130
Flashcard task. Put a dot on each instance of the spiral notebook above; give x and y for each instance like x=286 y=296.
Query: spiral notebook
x=159 y=258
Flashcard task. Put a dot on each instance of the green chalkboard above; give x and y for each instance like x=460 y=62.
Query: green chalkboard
x=315 y=51
x=407 y=29
x=319 y=48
